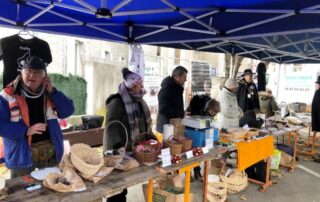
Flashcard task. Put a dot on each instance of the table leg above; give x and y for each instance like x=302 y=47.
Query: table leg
x=268 y=182
x=187 y=171
x=150 y=190
x=205 y=181
x=294 y=151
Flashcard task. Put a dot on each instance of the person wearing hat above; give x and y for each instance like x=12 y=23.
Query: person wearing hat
x=315 y=108
x=128 y=107
x=247 y=94
x=29 y=110
x=230 y=111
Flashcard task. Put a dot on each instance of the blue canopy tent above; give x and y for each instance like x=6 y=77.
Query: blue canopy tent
x=282 y=31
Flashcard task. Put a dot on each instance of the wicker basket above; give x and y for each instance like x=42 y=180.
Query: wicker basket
x=178 y=127
x=145 y=157
x=217 y=192
x=237 y=133
x=85 y=159
x=236 y=182
x=252 y=132
x=186 y=143
x=175 y=148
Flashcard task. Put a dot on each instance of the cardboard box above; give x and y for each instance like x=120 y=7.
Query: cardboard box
x=160 y=187
x=164 y=196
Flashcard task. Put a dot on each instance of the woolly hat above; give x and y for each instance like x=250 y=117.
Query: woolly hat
x=231 y=83
x=130 y=78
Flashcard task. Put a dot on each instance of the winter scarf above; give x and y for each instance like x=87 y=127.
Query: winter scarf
x=131 y=101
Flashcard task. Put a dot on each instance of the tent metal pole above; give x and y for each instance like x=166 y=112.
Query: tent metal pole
x=223 y=50
x=277 y=61
x=190 y=16
x=63 y=5
x=8 y=21
x=86 y=5
x=55 y=13
x=313 y=48
x=186 y=45
x=142 y=12
x=120 y=5
x=193 y=30
x=296 y=47
x=268 y=41
x=278 y=83
x=211 y=45
x=232 y=10
x=248 y=53
x=54 y=24
x=197 y=17
x=298 y=42
x=39 y=14
x=149 y=25
x=260 y=22
x=108 y=24
x=106 y=31
x=152 y=33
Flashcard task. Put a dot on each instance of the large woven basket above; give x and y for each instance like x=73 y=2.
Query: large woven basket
x=178 y=127
x=175 y=148
x=85 y=159
x=145 y=157
x=217 y=192
x=236 y=182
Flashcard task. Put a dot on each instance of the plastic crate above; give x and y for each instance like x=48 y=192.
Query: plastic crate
x=198 y=136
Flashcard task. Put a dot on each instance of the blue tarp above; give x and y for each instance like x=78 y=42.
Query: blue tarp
x=275 y=30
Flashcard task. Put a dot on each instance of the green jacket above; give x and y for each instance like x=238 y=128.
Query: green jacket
x=268 y=105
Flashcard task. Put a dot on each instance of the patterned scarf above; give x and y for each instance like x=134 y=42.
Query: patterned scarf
x=131 y=101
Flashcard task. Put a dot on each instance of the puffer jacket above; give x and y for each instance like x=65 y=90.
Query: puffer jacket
x=14 y=122
x=230 y=111
x=170 y=102
x=267 y=103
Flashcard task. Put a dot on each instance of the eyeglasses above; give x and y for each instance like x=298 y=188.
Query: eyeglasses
x=34 y=72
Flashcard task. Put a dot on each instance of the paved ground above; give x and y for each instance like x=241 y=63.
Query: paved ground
x=301 y=186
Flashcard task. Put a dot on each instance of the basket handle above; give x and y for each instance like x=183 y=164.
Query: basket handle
x=125 y=130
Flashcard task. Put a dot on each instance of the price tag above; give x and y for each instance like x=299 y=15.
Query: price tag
x=205 y=150
x=189 y=154
x=209 y=138
x=166 y=157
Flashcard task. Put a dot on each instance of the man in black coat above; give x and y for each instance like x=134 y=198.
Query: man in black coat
x=315 y=113
x=247 y=94
x=170 y=97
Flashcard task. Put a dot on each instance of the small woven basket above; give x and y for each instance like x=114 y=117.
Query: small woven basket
x=85 y=159
x=252 y=132
x=186 y=143
x=236 y=182
x=237 y=133
x=146 y=157
x=175 y=148
x=217 y=192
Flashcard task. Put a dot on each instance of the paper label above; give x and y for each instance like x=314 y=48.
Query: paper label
x=205 y=150
x=209 y=138
x=166 y=157
x=189 y=154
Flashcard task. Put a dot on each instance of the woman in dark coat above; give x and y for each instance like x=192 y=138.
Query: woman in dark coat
x=128 y=107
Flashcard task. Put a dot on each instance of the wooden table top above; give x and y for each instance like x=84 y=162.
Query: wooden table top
x=111 y=185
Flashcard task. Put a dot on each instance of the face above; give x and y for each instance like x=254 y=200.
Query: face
x=248 y=78
x=137 y=88
x=213 y=112
x=234 y=90
x=32 y=78
x=317 y=86
x=181 y=79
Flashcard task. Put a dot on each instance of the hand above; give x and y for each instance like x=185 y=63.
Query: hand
x=186 y=113
x=37 y=128
x=48 y=84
